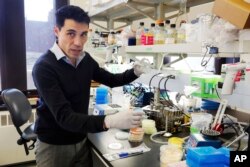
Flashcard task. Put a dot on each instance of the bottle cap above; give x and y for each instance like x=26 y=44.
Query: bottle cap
x=167 y=21
x=172 y=25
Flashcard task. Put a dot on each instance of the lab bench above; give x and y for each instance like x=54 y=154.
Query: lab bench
x=100 y=142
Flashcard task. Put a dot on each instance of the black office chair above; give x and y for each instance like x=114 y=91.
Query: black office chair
x=20 y=112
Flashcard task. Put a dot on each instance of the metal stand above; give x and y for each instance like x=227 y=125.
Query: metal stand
x=243 y=134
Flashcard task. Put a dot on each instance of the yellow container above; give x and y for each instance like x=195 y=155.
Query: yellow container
x=176 y=141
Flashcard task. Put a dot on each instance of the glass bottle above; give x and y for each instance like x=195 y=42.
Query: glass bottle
x=167 y=25
x=139 y=33
x=181 y=32
x=151 y=34
x=159 y=35
x=171 y=35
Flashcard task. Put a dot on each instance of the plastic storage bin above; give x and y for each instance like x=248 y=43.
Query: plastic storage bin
x=207 y=157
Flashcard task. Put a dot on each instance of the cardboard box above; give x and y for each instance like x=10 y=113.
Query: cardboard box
x=236 y=12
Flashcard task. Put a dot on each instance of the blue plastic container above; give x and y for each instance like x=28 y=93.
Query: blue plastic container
x=101 y=95
x=209 y=105
x=205 y=157
x=226 y=152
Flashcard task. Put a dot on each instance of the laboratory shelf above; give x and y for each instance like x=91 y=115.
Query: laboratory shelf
x=241 y=94
x=231 y=49
x=118 y=9
x=130 y=10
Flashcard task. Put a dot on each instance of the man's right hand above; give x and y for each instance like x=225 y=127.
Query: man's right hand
x=124 y=119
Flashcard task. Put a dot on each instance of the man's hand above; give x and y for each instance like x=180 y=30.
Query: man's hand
x=141 y=66
x=124 y=119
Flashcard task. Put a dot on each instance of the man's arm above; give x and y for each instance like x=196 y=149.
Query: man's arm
x=114 y=80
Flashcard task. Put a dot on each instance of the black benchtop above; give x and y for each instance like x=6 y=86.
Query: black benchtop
x=100 y=142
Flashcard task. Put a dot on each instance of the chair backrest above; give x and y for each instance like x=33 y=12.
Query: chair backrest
x=18 y=106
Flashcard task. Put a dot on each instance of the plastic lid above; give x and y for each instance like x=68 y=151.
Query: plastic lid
x=141 y=23
x=161 y=24
x=148 y=123
x=122 y=135
x=176 y=141
x=167 y=21
x=159 y=21
x=136 y=130
x=101 y=90
x=115 y=146
x=172 y=25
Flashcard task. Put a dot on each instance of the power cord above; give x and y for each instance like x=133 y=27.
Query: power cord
x=150 y=81
x=156 y=141
x=217 y=92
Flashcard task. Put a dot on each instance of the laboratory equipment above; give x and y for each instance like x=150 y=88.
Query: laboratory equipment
x=219 y=115
x=232 y=75
x=198 y=140
x=206 y=85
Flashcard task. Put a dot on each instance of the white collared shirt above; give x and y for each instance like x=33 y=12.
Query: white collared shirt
x=60 y=55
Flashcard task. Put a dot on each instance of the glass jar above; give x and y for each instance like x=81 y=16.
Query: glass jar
x=136 y=135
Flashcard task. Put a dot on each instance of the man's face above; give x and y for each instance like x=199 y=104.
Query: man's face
x=72 y=37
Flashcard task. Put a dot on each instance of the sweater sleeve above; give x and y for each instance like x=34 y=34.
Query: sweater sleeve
x=49 y=90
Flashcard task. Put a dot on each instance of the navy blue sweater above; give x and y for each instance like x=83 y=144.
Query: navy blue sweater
x=62 y=114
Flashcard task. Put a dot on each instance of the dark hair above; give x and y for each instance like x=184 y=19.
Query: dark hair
x=71 y=12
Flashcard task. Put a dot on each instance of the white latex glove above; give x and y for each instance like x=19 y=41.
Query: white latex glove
x=138 y=68
x=124 y=119
x=141 y=66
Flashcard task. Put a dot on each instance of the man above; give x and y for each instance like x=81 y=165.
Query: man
x=63 y=76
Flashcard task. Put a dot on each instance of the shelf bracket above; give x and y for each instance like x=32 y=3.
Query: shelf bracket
x=133 y=7
x=98 y=25
x=181 y=57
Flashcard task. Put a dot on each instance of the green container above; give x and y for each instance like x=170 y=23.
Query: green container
x=207 y=85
